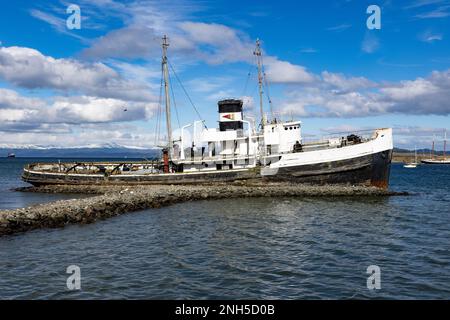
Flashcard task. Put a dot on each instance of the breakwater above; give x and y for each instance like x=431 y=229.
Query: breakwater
x=109 y=201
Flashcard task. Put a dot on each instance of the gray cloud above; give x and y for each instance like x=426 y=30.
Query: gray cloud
x=130 y=42
x=422 y=96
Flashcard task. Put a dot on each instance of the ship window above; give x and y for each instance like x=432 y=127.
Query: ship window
x=285 y=128
x=290 y=128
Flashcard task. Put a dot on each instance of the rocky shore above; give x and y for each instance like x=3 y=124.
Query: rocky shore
x=109 y=201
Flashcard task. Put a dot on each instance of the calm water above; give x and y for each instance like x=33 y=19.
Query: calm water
x=250 y=248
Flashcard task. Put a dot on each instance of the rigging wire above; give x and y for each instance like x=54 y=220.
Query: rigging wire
x=266 y=84
x=254 y=90
x=159 y=111
x=187 y=95
x=247 y=80
x=174 y=102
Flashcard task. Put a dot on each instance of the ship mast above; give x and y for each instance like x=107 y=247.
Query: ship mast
x=165 y=45
x=257 y=53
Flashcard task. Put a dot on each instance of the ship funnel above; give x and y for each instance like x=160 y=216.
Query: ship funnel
x=230 y=115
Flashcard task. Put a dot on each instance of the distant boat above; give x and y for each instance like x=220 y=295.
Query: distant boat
x=436 y=161
x=432 y=159
x=414 y=164
x=11 y=155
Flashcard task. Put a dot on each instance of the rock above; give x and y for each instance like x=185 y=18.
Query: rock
x=107 y=201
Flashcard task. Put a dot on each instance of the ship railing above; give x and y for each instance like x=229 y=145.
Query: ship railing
x=105 y=167
x=200 y=159
x=324 y=139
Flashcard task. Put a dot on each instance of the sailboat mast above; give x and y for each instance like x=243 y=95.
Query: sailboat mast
x=415 y=154
x=257 y=53
x=445 y=143
x=432 y=149
x=165 y=45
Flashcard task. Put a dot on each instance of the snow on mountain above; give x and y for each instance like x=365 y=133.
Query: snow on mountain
x=88 y=146
x=23 y=146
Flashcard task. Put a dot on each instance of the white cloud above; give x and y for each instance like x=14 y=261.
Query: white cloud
x=422 y=3
x=225 y=45
x=342 y=128
x=440 y=12
x=148 y=73
x=344 y=83
x=208 y=84
x=248 y=103
x=11 y=99
x=429 y=36
x=57 y=23
x=15 y=109
x=220 y=95
x=420 y=96
x=339 y=28
x=28 y=68
x=92 y=109
x=285 y=72
x=308 y=50
x=61 y=136
x=410 y=90
x=370 y=43
x=98 y=92
x=209 y=33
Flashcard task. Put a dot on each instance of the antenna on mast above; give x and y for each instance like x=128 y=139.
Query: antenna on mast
x=257 y=53
x=165 y=45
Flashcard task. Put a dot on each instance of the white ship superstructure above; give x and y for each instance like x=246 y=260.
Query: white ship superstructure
x=241 y=148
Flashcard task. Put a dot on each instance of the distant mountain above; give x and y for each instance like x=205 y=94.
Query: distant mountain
x=110 y=150
x=89 y=151
x=419 y=151
x=399 y=150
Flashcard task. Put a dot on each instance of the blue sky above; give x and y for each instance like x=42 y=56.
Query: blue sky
x=324 y=66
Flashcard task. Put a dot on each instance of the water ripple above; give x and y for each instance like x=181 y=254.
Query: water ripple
x=247 y=249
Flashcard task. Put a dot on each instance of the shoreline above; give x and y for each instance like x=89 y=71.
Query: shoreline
x=110 y=201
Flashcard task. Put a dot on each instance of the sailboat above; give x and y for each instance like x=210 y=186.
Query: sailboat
x=241 y=148
x=433 y=159
x=411 y=165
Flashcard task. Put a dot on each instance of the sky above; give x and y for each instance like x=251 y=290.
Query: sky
x=101 y=83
